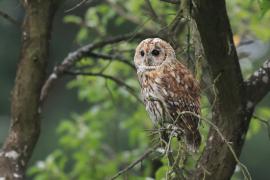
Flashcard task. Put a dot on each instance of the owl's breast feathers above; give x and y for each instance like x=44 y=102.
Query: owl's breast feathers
x=177 y=89
x=172 y=81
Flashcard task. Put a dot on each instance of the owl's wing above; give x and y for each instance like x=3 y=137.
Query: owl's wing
x=180 y=92
x=183 y=112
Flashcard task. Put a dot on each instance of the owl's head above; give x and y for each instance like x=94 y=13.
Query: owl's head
x=152 y=53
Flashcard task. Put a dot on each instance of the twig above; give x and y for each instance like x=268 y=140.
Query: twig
x=117 y=81
x=242 y=166
x=110 y=92
x=137 y=161
x=176 y=168
x=164 y=139
x=153 y=14
x=174 y=28
x=112 y=57
x=121 y=10
x=124 y=13
x=9 y=18
x=189 y=33
x=76 y=6
x=105 y=67
x=172 y=163
x=172 y=1
x=265 y=122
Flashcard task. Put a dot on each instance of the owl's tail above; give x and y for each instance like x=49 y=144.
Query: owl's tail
x=193 y=140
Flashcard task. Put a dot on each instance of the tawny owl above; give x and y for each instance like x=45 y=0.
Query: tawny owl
x=168 y=90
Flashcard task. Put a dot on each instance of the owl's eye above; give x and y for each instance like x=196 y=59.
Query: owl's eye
x=155 y=52
x=142 y=53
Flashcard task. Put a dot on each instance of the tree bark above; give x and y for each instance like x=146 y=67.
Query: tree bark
x=230 y=112
x=25 y=114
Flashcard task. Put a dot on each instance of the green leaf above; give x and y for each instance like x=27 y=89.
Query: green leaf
x=161 y=173
x=73 y=19
x=265 y=6
x=82 y=35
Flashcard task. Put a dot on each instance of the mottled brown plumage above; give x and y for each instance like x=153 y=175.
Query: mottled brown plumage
x=168 y=89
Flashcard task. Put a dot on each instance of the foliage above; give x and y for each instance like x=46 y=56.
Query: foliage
x=264 y=5
x=250 y=18
x=113 y=132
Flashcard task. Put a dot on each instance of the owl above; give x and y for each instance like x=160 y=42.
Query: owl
x=170 y=92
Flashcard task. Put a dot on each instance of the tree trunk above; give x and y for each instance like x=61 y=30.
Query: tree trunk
x=25 y=113
x=230 y=113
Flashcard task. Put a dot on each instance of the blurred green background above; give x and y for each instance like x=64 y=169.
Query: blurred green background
x=91 y=127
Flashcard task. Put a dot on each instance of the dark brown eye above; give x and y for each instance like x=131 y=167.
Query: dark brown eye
x=155 y=52
x=142 y=53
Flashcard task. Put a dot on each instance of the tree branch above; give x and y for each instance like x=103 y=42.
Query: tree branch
x=258 y=84
x=117 y=81
x=76 y=6
x=112 y=57
x=137 y=161
x=153 y=13
x=172 y=1
x=265 y=122
x=82 y=52
x=10 y=19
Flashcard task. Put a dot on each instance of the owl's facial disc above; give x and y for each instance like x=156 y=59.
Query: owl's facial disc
x=151 y=54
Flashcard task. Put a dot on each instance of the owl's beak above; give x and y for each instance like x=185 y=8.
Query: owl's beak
x=148 y=61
